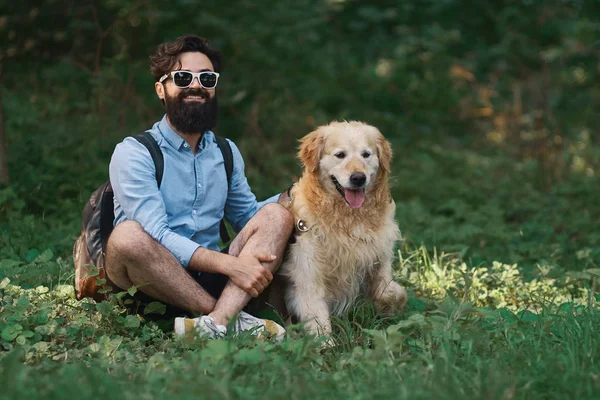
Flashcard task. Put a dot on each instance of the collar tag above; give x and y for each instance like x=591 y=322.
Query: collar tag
x=301 y=226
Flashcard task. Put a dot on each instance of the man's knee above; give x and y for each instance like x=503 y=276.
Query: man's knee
x=276 y=215
x=128 y=240
x=272 y=221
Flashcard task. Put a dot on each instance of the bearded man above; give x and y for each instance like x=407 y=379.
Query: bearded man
x=166 y=239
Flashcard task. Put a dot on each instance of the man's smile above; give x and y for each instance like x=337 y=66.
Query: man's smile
x=195 y=98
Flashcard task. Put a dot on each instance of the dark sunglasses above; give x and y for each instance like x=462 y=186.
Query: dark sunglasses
x=184 y=79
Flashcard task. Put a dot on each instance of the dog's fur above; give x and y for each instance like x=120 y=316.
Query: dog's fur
x=346 y=251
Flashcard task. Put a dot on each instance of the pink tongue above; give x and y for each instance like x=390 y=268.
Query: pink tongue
x=355 y=198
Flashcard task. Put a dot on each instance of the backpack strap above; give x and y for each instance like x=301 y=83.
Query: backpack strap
x=227 y=156
x=225 y=148
x=157 y=156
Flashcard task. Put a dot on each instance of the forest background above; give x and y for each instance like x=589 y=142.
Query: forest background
x=492 y=109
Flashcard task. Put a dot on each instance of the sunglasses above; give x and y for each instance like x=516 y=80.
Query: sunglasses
x=184 y=79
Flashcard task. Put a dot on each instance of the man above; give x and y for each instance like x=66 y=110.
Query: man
x=165 y=239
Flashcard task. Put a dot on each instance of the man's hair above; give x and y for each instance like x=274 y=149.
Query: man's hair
x=166 y=57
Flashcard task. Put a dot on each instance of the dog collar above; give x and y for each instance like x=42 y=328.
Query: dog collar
x=300 y=224
x=290 y=199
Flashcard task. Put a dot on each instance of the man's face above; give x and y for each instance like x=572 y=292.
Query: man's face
x=194 y=109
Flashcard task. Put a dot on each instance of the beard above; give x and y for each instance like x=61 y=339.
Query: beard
x=192 y=117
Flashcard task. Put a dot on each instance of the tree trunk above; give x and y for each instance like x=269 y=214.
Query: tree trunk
x=3 y=162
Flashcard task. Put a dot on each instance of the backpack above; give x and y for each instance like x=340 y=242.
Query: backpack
x=97 y=224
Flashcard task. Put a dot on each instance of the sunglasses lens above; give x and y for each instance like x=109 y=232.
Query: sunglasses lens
x=208 y=80
x=182 y=78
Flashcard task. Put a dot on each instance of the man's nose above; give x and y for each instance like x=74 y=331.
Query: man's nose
x=196 y=82
x=358 y=179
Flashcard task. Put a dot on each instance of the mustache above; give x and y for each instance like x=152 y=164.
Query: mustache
x=193 y=92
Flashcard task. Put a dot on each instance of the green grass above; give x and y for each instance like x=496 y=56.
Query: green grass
x=496 y=170
x=502 y=303
x=442 y=346
x=502 y=298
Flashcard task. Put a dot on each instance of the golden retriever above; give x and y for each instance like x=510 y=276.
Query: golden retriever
x=345 y=228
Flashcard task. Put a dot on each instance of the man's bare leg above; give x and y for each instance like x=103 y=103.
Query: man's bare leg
x=134 y=258
x=267 y=232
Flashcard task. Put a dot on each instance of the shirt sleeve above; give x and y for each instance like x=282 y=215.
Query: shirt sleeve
x=133 y=179
x=241 y=203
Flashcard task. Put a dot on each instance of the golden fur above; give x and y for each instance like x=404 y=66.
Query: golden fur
x=346 y=251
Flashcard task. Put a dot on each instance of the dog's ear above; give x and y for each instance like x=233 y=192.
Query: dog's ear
x=311 y=146
x=384 y=153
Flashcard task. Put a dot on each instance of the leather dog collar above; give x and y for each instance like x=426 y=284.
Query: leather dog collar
x=300 y=225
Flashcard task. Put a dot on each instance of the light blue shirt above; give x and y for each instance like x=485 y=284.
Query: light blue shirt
x=186 y=211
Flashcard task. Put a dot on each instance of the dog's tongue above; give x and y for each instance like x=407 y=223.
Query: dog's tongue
x=355 y=198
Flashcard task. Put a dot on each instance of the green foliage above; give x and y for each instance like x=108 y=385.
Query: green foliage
x=487 y=206
x=491 y=109
x=53 y=324
x=497 y=286
x=447 y=348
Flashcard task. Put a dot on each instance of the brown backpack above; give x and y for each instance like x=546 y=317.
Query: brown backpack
x=97 y=224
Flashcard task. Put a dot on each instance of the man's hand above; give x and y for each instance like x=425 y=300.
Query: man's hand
x=248 y=273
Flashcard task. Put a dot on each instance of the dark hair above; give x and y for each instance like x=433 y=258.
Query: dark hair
x=167 y=54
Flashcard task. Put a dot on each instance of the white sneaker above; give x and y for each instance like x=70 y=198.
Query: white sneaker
x=258 y=326
x=204 y=326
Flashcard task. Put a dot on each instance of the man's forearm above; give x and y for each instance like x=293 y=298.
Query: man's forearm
x=205 y=260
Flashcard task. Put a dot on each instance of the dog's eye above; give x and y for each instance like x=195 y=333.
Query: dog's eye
x=340 y=154
x=366 y=154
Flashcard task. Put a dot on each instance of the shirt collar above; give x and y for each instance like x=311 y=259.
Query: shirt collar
x=177 y=141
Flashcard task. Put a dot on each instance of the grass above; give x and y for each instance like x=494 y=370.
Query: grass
x=501 y=253
x=506 y=310
x=441 y=347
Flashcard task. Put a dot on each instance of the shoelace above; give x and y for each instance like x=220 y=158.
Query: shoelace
x=248 y=322
x=210 y=324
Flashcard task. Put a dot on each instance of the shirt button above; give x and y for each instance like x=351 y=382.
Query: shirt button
x=199 y=185
x=186 y=145
x=194 y=212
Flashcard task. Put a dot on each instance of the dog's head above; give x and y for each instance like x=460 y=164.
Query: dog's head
x=349 y=158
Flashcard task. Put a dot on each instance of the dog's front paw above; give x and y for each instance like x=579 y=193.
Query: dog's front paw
x=390 y=299
x=318 y=326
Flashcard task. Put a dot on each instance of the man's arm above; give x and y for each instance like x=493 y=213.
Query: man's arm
x=246 y=272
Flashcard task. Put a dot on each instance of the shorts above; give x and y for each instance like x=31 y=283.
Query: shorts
x=212 y=283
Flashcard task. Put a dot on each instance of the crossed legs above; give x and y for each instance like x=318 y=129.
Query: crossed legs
x=134 y=258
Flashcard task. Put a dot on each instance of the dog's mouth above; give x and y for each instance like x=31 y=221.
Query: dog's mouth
x=354 y=198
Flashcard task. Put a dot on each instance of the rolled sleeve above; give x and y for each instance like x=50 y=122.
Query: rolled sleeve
x=133 y=178
x=272 y=199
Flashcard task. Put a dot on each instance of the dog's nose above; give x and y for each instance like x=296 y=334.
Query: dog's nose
x=358 y=179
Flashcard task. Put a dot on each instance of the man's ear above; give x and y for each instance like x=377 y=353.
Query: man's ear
x=160 y=90
x=311 y=147
x=384 y=153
